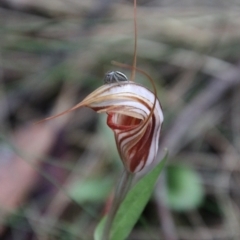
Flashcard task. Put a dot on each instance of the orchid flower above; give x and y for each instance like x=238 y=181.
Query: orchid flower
x=134 y=115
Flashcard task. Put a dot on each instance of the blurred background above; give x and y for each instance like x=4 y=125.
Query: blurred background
x=56 y=178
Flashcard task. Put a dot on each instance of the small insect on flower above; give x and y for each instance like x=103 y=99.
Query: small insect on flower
x=114 y=77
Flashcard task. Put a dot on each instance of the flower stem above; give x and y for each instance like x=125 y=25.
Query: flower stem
x=121 y=191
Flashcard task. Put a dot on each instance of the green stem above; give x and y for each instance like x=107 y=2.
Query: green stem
x=121 y=191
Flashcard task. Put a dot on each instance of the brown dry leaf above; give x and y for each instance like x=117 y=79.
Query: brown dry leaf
x=31 y=144
x=19 y=176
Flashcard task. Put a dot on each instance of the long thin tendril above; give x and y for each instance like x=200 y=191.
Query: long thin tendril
x=81 y=104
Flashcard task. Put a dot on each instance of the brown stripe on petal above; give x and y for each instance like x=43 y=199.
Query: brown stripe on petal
x=136 y=134
x=141 y=150
x=135 y=152
x=126 y=123
x=143 y=147
x=130 y=134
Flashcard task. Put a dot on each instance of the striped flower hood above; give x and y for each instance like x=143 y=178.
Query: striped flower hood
x=135 y=125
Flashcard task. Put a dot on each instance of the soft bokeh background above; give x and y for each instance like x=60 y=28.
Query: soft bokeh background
x=56 y=178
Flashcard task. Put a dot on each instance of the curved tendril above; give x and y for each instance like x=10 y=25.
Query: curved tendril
x=135 y=42
x=151 y=81
x=81 y=104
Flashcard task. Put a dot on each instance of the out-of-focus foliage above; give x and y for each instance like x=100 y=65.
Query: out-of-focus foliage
x=54 y=53
x=92 y=190
x=184 y=188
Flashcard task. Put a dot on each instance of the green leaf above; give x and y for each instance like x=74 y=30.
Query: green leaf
x=185 y=191
x=132 y=206
x=99 y=229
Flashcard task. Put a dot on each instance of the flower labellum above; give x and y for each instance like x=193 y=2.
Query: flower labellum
x=136 y=125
